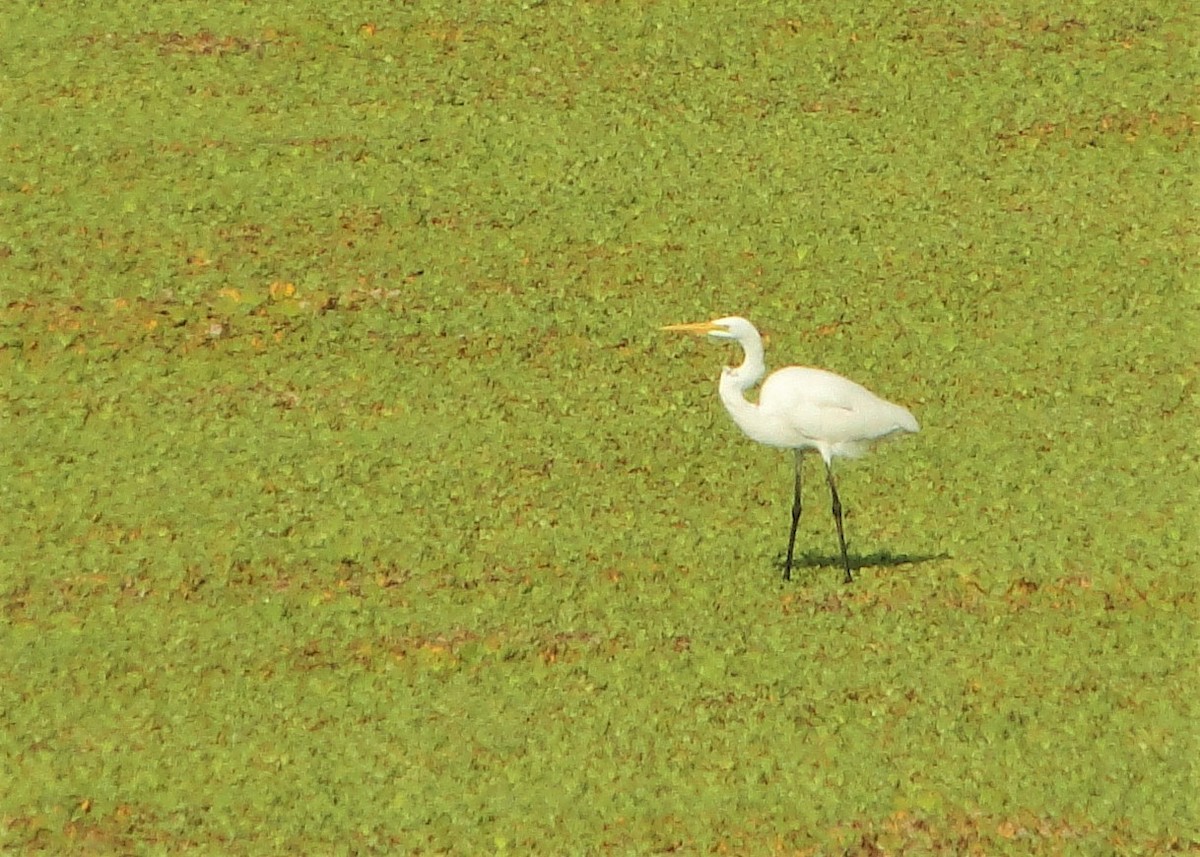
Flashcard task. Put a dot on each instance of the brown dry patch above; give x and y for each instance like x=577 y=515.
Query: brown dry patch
x=1087 y=131
x=199 y=43
x=446 y=648
x=39 y=329
x=951 y=833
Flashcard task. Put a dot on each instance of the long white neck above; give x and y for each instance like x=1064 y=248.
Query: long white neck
x=736 y=381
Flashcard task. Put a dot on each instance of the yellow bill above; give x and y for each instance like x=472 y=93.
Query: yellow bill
x=700 y=328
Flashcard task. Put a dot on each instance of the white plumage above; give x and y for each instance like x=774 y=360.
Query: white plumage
x=801 y=408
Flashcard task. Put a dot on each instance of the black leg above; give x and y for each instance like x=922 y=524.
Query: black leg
x=837 y=516
x=787 y=569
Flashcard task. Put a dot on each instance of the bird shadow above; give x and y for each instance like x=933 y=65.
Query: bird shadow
x=878 y=559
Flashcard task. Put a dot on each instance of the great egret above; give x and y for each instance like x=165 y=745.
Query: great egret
x=801 y=409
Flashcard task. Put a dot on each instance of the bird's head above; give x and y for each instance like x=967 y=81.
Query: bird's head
x=729 y=328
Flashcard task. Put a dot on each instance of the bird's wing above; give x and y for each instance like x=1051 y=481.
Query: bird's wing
x=824 y=407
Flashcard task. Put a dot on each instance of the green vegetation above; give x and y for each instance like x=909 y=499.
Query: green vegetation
x=354 y=504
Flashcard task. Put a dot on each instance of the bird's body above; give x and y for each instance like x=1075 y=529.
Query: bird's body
x=801 y=408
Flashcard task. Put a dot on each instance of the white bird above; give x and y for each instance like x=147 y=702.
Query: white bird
x=801 y=409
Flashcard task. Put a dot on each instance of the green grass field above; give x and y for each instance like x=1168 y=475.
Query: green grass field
x=354 y=503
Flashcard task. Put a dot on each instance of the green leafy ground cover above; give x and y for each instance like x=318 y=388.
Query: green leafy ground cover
x=353 y=503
